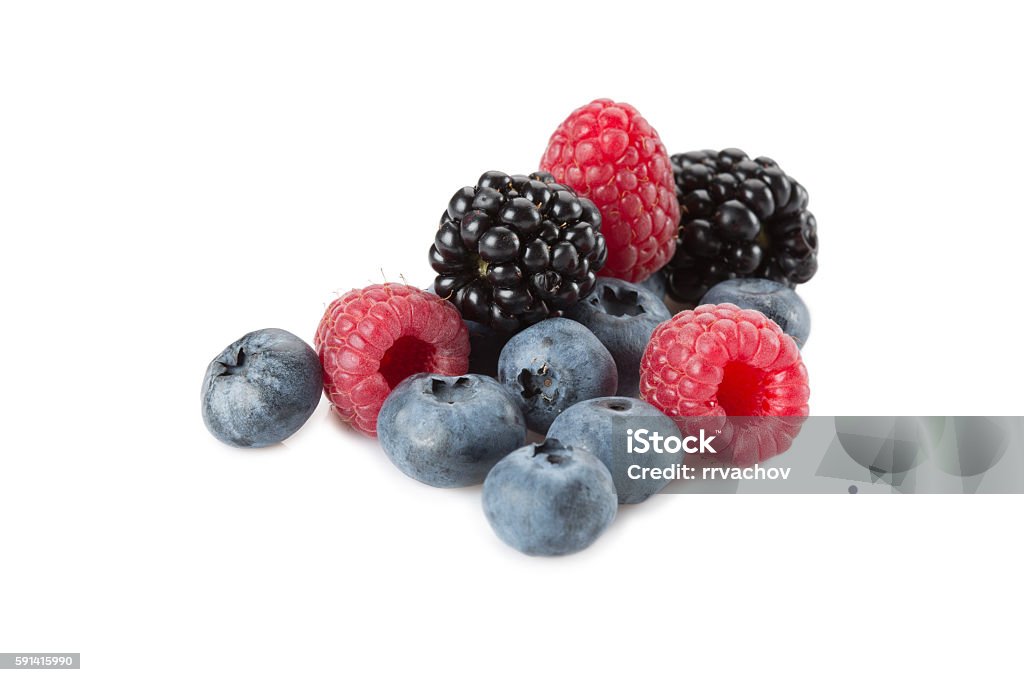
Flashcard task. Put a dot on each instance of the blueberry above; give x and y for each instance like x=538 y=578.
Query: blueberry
x=623 y=317
x=549 y=499
x=657 y=284
x=600 y=426
x=261 y=389
x=552 y=365
x=776 y=300
x=449 y=431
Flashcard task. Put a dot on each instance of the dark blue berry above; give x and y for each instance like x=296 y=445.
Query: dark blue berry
x=449 y=431
x=549 y=499
x=261 y=389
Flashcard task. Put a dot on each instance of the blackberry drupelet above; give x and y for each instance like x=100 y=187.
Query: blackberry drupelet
x=516 y=249
x=739 y=218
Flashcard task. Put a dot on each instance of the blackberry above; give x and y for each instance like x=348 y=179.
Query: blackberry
x=739 y=218
x=516 y=249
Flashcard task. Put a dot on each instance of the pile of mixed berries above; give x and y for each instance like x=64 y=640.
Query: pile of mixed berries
x=548 y=315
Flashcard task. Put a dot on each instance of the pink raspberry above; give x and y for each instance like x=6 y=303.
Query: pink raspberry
x=607 y=152
x=718 y=362
x=371 y=339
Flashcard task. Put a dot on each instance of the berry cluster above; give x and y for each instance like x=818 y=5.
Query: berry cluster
x=519 y=332
x=515 y=249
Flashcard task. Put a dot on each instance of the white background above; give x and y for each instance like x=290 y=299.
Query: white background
x=173 y=175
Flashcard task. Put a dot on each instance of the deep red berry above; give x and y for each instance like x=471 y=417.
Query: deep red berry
x=745 y=441
x=608 y=153
x=718 y=362
x=371 y=339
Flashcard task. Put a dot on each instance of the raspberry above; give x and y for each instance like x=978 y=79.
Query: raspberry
x=717 y=362
x=371 y=339
x=607 y=152
x=745 y=441
x=515 y=249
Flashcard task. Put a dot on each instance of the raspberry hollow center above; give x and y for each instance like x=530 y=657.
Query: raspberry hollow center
x=408 y=355
x=741 y=393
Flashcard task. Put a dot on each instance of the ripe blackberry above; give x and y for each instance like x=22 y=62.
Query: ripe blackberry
x=739 y=218
x=516 y=249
